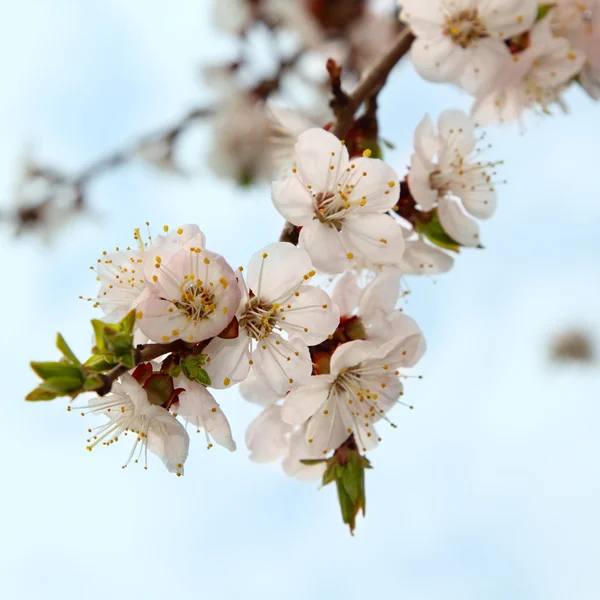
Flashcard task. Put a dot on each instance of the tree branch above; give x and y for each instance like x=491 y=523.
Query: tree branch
x=372 y=81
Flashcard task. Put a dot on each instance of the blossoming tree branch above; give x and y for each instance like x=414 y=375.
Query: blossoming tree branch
x=310 y=329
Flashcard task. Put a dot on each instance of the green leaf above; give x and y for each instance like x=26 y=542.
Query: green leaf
x=193 y=371
x=39 y=395
x=202 y=377
x=62 y=386
x=66 y=351
x=128 y=322
x=127 y=359
x=99 y=364
x=434 y=232
x=174 y=370
x=46 y=370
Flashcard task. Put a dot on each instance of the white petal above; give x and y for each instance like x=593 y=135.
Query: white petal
x=457 y=224
x=326 y=430
x=457 y=129
x=406 y=344
x=376 y=237
x=364 y=432
x=276 y=271
x=424 y=18
x=266 y=436
x=316 y=151
x=325 y=248
x=375 y=183
x=293 y=200
x=422 y=259
x=507 y=18
x=485 y=60
x=168 y=439
x=255 y=390
x=303 y=402
x=134 y=391
x=310 y=315
x=478 y=195
x=198 y=405
x=346 y=294
x=299 y=450
x=380 y=296
x=281 y=364
x=425 y=140
x=439 y=59
x=419 y=183
x=228 y=361
x=350 y=354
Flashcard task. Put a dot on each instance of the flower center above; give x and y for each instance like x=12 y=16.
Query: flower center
x=196 y=301
x=465 y=27
x=259 y=318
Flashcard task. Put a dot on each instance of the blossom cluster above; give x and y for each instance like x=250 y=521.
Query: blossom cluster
x=510 y=54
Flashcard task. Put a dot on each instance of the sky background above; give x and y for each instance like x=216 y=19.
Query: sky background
x=488 y=490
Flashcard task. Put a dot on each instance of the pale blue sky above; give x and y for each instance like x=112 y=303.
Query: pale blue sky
x=488 y=490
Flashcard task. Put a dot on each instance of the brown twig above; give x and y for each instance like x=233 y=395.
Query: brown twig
x=372 y=81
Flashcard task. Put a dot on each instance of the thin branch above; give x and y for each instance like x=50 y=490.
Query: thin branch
x=373 y=79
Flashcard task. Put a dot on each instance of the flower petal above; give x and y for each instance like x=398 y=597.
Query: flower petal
x=425 y=140
x=380 y=297
x=266 y=436
x=299 y=450
x=293 y=200
x=310 y=314
x=457 y=224
x=275 y=272
x=420 y=258
x=324 y=245
x=303 y=402
x=326 y=429
x=350 y=354
x=316 y=151
x=376 y=237
x=281 y=364
x=346 y=294
x=419 y=183
x=255 y=390
x=439 y=59
x=167 y=438
x=198 y=405
x=375 y=185
x=228 y=361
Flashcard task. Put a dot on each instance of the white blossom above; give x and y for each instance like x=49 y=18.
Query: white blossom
x=194 y=293
x=269 y=438
x=361 y=388
x=446 y=173
x=232 y=16
x=278 y=300
x=123 y=283
x=533 y=78
x=131 y=414
x=462 y=41
x=340 y=204
x=376 y=306
x=579 y=22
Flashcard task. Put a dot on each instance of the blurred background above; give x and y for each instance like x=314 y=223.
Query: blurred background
x=489 y=489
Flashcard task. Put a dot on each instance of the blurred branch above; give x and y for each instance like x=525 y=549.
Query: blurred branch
x=372 y=81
